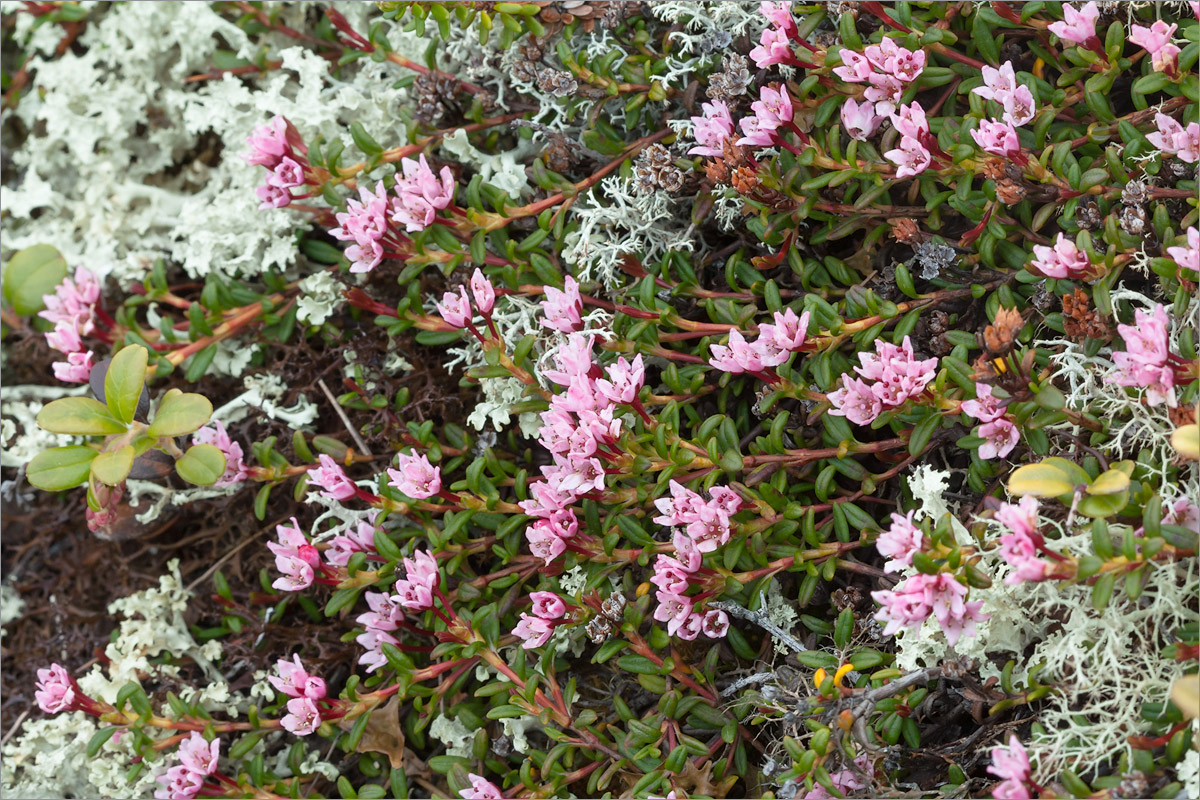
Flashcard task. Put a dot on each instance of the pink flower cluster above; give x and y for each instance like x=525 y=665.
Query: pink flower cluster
x=579 y=429
x=845 y=781
x=535 y=630
x=700 y=527
x=359 y=539
x=456 y=308
x=481 y=789
x=886 y=67
x=72 y=310
x=900 y=542
x=1188 y=257
x=1001 y=86
x=1022 y=544
x=304 y=716
x=892 y=376
x=416 y=478
x=420 y=194
x=1146 y=361
x=295 y=557
x=278 y=147
x=712 y=129
x=563 y=308
x=1079 y=26
x=197 y=760
x=772 y=111
x=415 y=592
x=332 y=479
x=774 y=46
x=1012 y=766
x=913 y=156
x=1062 y=261
x=1001 y=434
x=941 y=595
x=216 y=435
x=774 y=345
x=1156 y=40
x=1184 y=513
x=1176 y=140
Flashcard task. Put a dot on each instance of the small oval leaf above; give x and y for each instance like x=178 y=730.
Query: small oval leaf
x=1110 y=482
x=124 y=381
x=31 y=274
x=202 y=465
x=1039 y=480
x=113 y=467
x=60 y=468
x=1187 y=441
x=179 y=413
x=81 y=416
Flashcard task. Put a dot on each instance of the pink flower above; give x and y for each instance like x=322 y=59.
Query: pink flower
x=715 y=624
x=845 y=781
x=534 y=631
x=332 y=479
x=272 y=196
x=690 y=628
x=303 y=716
x=548 y=605
x=420 y=194
x=271 y=142
x=1183 y=513
x=365 y=222
x=725 y=499
x=1013 y=767
x=778 y=14
x=900 y=542
x=859 y=120
x=456 y=308
x=1001 y=435
x=855 y=66
x=1064 y=260
x=773 y=48
x=385 y=615
x=1020 y=518
x=563 y=308
x=297 y=574
x=712 y=130
x=483 y=292
x=1144 y=363
x=941 y=595
x=1173 y=139
x=76 y=369
x=625 y=380
x=294 y=680
x=998 y=138
x=543 y=543
x=911 y=157
x=910 y=121
x=481 y=789
x=671 y=575
x=55 y=690
x=1156 y=40
x=772 y=110
x=287 y=173
x=985 y=407
x=681 y=508
x=573 y=360
x=235 y=467
x=855 y=401
x=906 y=64
x=885 y=91
x=1079 y=26
x=673 y=609
x=65 y=337
x=73 y=302
x=1021 y=551
x=179 y=782
x=416 y=478
x=1188 y=257
x=359 y=539
x=198 y=755
x=1001 y=85
x=293 y=544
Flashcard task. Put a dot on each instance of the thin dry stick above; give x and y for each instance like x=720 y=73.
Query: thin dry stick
x=362 y=446
x=14 y=727
x=251 y=538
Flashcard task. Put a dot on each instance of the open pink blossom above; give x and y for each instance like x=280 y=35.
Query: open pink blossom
x=331 y=478
x=859 y=119
x=1012 y=766
x=416 y=478
x=303 y=717
x=563 y=308
x=55 y=690
x=715 y=624
x=1184 y=513
x=1144 y=363
x=772 y=110
x=216 y=435
x=914 y=600
x=483 y=291
x=1063 y=260
x=72 y=303
x=548 y=605
x=671 y=575
x=1021 y=551
x=998 y=138
x=420 y=194
x=625 y=380
x=712 y=130
x=179 y=783
x=543 y=543
x=199 y=755
x=533 y=631
x=779 y=14
x=855 y=66
x=364 y=222
x=1188 y=257
x=910 y=121
x=1176 y=140
x=900 y=542
x=855 y=401
x=1000 y=436
x=269 y=143
x=293 y=543
x=1078 y=25
x=884 y=91
x=481 y=789
x=1019 y=517
x=986 y=406
x=773 y=47
x=272 y=196
x=359 y=538
x=294 y=680
x=1156 y=40
x=1001 y=86
x=76 y=369
x=288 y=173
x=673 y=609
x=297 y=574
x=910 y=157
x=455 y=308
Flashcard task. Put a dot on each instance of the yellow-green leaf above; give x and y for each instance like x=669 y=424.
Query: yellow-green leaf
x=60 y=468
x=31 y=274
x=202 y=464
x=1074 y=473
x=1039 y=480
x=83 y=416
x=112 y=467
x=1185 y=693
x=124 y=381
x=1102 y=505
x=1110 y=482
x=180 y=413
x=1187 y=441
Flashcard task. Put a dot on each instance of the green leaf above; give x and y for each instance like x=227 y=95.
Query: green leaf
x=31 y=274
x=83 y=416
x=124 y=381
x=363 y=140
x=1102 y=505
x=112 y=467
x=180 y=413
x=60 y=468
x=202 y=465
